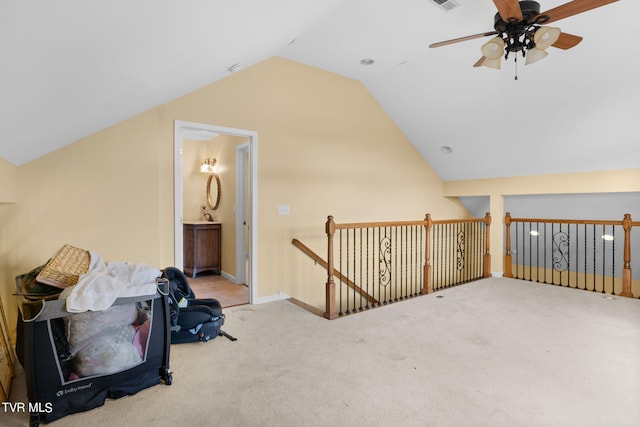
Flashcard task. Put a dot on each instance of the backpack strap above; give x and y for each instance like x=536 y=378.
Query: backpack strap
x=224 y=334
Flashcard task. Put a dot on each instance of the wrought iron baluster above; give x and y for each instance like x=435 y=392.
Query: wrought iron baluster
x=398 y=264
x=460 y=253
x=530 y=251
x=585 y=256
x=451 y=257
x=545 y=252
x=347 y=275
x=578 y=241
x=422 y=232
x=409 y=256
x=603 y=259
x=538 y=252
x=517 y=253
x=560 y=252
x=385 y=261
x=438 y=241
x=414 y=259
x=480 y=233
x=569 y=255
x=366 y=267
x=361 y=281
x=613 y=260
x=594 y=258
x=373 y=269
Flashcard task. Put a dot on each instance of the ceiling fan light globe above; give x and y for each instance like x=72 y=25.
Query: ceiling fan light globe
x=493 y=49
x=492 y=63
x=546 y=36
x=534 y=55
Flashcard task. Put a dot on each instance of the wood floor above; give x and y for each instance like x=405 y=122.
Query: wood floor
x=209 y=285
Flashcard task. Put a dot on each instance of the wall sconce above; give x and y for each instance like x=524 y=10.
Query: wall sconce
x=208 y=165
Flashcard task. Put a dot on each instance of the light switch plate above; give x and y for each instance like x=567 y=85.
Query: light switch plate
x=283 y=210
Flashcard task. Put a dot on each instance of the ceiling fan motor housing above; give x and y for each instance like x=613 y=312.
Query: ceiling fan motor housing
x=512 y=30
x=530 y=9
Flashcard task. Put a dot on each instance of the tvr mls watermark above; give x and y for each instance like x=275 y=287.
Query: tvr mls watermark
x=46 y=407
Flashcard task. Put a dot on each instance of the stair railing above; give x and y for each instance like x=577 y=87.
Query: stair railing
x=581 y=254
x=379 y=263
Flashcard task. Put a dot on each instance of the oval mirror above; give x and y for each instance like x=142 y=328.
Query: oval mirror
x=213 y=191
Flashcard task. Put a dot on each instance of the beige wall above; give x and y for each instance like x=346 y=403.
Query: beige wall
x=8 y=197
x=8 y=173
x=613 y=181
x=325 y=147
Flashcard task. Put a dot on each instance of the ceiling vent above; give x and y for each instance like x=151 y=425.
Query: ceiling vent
x=446 y=4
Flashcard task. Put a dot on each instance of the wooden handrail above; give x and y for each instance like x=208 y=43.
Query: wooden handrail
x=424 y=223
x=317 y=258
x=572 y=221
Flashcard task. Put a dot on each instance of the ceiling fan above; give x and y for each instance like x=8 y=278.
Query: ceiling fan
x=519 y=27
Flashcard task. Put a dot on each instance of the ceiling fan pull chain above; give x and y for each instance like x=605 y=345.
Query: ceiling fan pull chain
x=515 y=59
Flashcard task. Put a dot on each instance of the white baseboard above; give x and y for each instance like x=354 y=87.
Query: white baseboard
x=270 y=298
x=229 y=277
x=496 y=273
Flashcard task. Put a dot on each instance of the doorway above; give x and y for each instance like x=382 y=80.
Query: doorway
x=246 y=198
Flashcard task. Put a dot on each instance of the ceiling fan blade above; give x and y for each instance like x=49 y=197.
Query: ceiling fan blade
x=462 y=39
x=480 y=61
x=567 y=41
x=573 y=8
x=509 y=9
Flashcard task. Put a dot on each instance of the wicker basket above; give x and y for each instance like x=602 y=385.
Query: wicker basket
x=65 y=267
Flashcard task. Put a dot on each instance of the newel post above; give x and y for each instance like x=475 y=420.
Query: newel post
x=508 y=272
x=626 y=269
x=486 y=270
x=330 y=290
x=427 y=282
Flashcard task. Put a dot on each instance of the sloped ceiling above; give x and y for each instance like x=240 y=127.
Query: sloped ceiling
x=71 y=68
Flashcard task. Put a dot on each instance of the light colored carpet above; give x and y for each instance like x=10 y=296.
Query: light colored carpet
x=496 y=352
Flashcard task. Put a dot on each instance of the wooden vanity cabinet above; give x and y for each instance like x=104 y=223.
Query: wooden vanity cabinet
x=202 y=243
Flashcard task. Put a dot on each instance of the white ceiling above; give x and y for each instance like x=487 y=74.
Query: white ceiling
x=72 y=67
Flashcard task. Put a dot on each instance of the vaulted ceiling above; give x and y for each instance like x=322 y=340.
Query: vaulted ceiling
x=72 y=67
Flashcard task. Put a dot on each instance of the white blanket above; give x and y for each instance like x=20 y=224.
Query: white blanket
x=103 y=283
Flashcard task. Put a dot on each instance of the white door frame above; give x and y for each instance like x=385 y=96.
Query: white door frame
x=242 y=152
x=181 y=127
